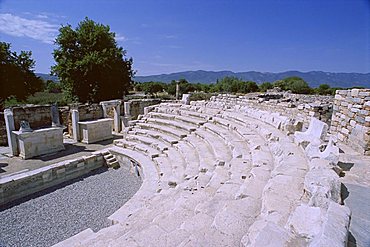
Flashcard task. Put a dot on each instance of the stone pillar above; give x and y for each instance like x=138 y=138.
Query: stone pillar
x=12 y=140
x=127 y=114
x=177 y=90
x=117 y=125
x=55 y=122
x=75 y=127
x=126 y=107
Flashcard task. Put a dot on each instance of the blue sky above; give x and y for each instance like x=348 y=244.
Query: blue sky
x=167 y=36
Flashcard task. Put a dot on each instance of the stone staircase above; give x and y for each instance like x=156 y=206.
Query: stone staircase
x=110 y=159
x=215 y=174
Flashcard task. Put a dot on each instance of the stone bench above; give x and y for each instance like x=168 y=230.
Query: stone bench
x=164 y=129
x=316 y=130
x=96 y=130
x=155 y=135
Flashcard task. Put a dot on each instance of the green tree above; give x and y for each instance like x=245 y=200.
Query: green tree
x=265 y=86
x=324 y=89
x=184 y=85
x=17 y=77
x=152 y=87
x=89 y=63
x=295 y=84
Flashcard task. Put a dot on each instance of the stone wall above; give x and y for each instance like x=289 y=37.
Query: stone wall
x=37 y=116
x=86 y=112
x=137 y=106
x=351 y=118
x=20 y=185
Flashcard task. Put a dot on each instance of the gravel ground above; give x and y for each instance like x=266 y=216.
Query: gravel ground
x=61 y=212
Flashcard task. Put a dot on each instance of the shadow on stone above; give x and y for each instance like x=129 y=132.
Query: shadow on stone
x=52 y=189
x=344 y=192
x=69 y=149
x=345 y=166
x=3 y=165
x=351 y=240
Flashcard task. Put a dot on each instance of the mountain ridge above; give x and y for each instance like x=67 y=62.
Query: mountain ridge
x=313 y=78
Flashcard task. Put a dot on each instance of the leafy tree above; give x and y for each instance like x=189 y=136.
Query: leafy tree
x=89 y=63
x=152 y=87
x=184 y=85
x=17 y=78
x=247 y=87
x=295 y=84
x=325 y=89
x=53 y=87
x=265 y=86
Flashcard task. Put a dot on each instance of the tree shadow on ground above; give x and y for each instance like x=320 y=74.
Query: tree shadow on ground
x=52 y=189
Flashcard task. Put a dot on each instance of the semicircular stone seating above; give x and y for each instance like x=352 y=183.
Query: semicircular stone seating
x=218 y=173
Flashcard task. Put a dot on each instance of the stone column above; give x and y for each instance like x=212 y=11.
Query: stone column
x=177 y=90
x=12 y=140
x=104 y=110
x=117 y=126
x=127 y=114
x=126 y=107
x=75 y=127
x=54 y=116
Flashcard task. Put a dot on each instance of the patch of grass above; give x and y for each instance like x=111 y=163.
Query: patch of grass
x=12 y=101
x=42 y=98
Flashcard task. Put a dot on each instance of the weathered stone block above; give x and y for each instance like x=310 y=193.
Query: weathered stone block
x=39 y=142
x=96 y=130
x=355 y=92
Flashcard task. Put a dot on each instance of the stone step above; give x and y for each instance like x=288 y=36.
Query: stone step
x=162 y=129
x=155 y=143
x=221 y=151
x=233 y=140
x=151 y=152
x=155 y=135
x=173 y=123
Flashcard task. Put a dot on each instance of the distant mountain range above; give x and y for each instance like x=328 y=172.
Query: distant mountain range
x=46 y=77
x=314 y=78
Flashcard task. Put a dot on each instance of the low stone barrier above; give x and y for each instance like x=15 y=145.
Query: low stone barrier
x=16 y=186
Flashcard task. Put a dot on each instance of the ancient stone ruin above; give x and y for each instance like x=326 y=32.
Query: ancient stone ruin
x=253 y=170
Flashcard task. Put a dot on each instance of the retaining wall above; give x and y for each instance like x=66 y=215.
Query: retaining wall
x=16 y=186
x=137 y=106
x=351 y=118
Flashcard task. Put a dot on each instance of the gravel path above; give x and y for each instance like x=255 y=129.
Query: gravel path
x=62 y=212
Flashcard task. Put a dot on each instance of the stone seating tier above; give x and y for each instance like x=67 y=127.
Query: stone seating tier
x=198 y=192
